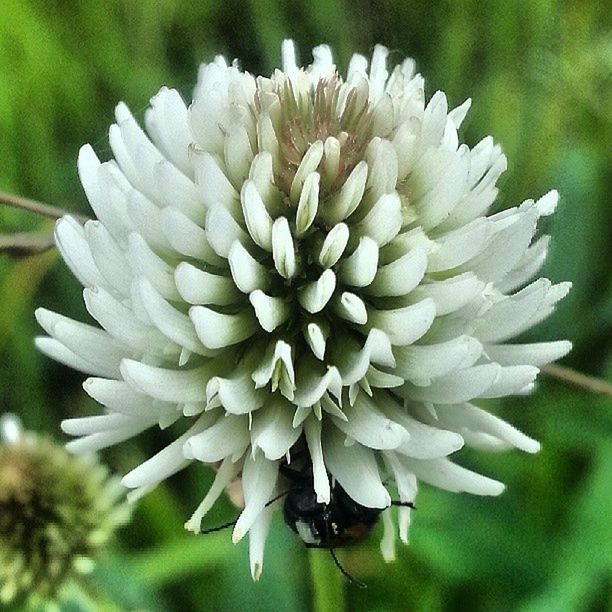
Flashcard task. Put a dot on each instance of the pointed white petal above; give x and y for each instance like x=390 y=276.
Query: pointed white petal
x=197 y=286
x=283 y=250
x=308 y=204
x=536 y=354
x=273 y=431
x=256 y=216
x=444 y=474
x=458 y=386
x=217 y=330
x=168 y=461
x=355 y=468
x=420 y=363
x=259 y=477
x=312 y=431
x=334 y=244
x=225 y=474
x=404 y=325
x=228 y=436
x=401 y=276
x=167 y=384
x=359 y=269
x=270 y=311
x=315 y=295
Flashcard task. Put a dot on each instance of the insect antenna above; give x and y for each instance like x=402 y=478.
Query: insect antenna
x=403 y=504
x=351 y=579
x=232 y=523
x=219 y=527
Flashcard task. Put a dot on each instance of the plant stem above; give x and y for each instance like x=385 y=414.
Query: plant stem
x=578 y=379
x=45 y=210
x=327 y=583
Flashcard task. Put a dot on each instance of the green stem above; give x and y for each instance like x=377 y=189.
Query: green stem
x=327 y=583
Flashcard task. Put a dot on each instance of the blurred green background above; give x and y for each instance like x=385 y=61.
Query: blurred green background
x=539 y=76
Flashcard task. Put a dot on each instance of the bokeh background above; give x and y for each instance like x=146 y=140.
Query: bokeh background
x=539 y=76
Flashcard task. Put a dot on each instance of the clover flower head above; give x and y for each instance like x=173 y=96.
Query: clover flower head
x=303 y=266
x=56 y=512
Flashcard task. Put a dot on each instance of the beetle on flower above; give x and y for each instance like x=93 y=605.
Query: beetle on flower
x=304 y=266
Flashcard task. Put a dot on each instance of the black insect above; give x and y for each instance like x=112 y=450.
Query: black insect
x=337 y=524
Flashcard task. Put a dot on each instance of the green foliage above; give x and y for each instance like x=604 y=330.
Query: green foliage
x=539 y=76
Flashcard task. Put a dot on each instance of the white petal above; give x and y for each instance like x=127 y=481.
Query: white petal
x=118 y=396
x=247 y=272
x=511 y=380
x=237 y=392
x=109 y=257
x=228 y=436
x=451 y=294
x=258 y=481
x=98 y=441
x=214 y=187
x=270 y=311
x=222 y=230
x=404 y=325
x=420 y=363
x=513 y=314
x=283 y=251
x=171 y=322
x=458 y=246
x=121 y=323
x=94 y=345
x=186 y=237
x=226 y=472
x=94 y=424
x=73 y=246
x=276 y=367
x=351 y=307
x=167 y=384
x=257 y=540
x=344 y=203
x=308 y=165
x=168 y=461
x=311 y=384
x=308 y=204
x=217 y=330
x=316 y=336
x=422 y=441
x=400 y=276
x=259 y=222
x=334 y=244
x=370 y=427
x=462 y=417
x=536 y=354
x=315 y=295
x=197 y=286
x=56 y=350
x=384 y=221
x=238 y=154
x=354 y=467
x=145 y=262
x=459 y=386
x=312 y=431
x=273 y=431
x=444 y=474
x=387 y=543
x=359 y=269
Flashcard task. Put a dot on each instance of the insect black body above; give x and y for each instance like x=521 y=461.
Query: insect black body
x=339 y=523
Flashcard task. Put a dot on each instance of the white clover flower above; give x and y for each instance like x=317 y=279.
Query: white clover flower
x=303 y=265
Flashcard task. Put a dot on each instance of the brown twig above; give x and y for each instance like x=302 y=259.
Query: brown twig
x=26 y=243
x=577 y=379
x=45 y=210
